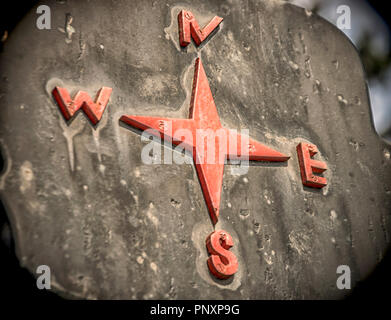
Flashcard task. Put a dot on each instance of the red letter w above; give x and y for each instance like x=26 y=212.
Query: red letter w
x=93 y=110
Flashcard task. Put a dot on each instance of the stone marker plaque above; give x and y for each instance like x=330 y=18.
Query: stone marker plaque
x=313 y=195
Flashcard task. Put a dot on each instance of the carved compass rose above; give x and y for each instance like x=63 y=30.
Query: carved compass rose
x=203 y=115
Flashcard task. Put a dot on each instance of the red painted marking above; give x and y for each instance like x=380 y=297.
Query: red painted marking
x=305 y=152
x=94 y=110
x=222 y=263
x=188 y=27
x=203 y=115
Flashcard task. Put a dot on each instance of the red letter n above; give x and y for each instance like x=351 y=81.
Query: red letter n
x=93 y=110
x=188 y=26
x=305 y=152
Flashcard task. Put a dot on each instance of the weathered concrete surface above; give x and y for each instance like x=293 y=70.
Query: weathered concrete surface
x=81 y=201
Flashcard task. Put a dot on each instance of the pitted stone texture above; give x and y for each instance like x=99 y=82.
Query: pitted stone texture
x=81 y=201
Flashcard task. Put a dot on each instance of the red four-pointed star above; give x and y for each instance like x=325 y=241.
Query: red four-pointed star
x=203 y=115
